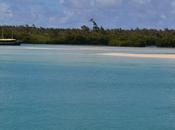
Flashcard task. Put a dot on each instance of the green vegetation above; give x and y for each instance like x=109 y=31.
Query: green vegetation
x=95 y=36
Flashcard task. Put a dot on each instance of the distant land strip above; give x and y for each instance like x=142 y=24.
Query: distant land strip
x=92 y=36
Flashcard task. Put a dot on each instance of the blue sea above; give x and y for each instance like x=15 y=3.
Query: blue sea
x=49 y=87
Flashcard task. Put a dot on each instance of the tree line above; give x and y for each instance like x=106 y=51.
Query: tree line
x=96 y=36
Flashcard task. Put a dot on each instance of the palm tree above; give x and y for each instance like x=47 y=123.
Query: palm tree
x=95 y=26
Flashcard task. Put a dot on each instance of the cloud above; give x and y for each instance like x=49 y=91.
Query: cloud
x=142 y=1
x=89 y=3
x=108 y=3
x=74 y=13
x=5 y=10
x=83 y=10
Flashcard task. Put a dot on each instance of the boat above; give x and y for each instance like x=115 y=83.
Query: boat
x=9 y=41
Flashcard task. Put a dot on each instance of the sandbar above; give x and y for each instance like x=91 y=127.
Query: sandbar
x=162 y=56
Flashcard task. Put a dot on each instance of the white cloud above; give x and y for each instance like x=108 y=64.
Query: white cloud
x=80 y=11
x=5 y=11
x=76 y=3
x=108 y=3
x=74 y=13
x=141 y=1
x=173 y=7
x=66 y=17
x=90 y=3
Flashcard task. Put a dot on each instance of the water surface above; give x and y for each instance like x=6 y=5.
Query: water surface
x=74 y=88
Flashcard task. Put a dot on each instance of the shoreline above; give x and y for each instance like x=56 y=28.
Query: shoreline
x=89 y=45
x=110 y=51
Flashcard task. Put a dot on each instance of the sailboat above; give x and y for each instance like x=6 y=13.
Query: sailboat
x=8 y=41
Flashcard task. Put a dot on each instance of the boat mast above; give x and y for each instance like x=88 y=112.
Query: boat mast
x=2 y=33
x=12 y=34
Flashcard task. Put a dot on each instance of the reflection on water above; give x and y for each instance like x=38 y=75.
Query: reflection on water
x=72 y=88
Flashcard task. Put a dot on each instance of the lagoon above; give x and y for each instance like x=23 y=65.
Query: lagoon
x=52 y=87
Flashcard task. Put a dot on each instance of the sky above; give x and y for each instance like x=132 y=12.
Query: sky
x=75 y=13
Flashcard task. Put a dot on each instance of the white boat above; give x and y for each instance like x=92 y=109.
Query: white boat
x=8 y=41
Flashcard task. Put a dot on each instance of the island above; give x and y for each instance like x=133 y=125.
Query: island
x=92 y=36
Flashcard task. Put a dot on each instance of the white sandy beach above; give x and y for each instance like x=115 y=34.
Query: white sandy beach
x=162 y=56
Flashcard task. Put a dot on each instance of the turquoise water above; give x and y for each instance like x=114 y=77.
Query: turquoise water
x=76 y=88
